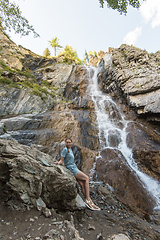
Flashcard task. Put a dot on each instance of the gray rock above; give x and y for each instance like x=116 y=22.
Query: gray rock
x=135 y=74
x=32 y=175
x=16 y=101
x=56 y=74
x=118 y=237
x=1 y=128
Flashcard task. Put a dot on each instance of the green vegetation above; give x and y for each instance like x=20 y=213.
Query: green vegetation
x=11 y=15
x=31 y=84
x=36 y=89
x=37 y=93
x=123 y=53
x=45 y=83
x=4 y=80
x=55 y=44
x=70 y=55
x=5 y=67
x=46 y=53
x=120 y=5
x=23 y=73
x=11 y=18
x=88 y=56
x=63 y=101
x=5 y=129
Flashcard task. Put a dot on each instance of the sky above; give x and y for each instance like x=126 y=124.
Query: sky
x=83 y=25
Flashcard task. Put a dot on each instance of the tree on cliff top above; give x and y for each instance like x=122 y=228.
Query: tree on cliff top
x=46 y=53
x=70 y=55
x=55 y=44
x=11 y=18
x=120 y=5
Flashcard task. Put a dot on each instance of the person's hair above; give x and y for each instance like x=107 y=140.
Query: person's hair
x=66 y=141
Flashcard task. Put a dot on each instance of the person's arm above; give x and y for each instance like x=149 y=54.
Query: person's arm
x=60 y=161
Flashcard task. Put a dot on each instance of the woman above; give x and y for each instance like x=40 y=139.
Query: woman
x=68 y=158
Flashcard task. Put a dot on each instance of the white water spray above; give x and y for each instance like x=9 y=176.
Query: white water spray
x=112 y=132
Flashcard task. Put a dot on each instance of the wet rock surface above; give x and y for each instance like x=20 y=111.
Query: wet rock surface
x=113 y=169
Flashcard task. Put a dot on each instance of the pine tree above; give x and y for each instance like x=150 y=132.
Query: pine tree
x=46 y=53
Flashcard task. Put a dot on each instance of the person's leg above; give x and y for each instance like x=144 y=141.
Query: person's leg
x=81 y=183
x=83 y=180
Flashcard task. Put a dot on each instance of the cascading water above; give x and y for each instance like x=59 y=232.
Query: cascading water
x=112 y=133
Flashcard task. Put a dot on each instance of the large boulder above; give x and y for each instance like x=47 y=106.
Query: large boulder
x=32 y=177
x=145 y=145
x=112 y=168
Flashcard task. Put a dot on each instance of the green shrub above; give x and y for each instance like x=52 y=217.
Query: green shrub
x=5 y=67
x=15 y=85
x=45 y=83
x=4 y=80
x=37 y=93
x=52 y=95
x=27 y=84
x=44 y=91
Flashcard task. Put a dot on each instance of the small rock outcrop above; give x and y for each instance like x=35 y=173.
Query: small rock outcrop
x=17 y=101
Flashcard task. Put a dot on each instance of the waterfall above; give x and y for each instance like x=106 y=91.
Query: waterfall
x=112 y=132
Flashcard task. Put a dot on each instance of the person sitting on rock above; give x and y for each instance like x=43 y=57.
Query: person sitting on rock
x=68 y=158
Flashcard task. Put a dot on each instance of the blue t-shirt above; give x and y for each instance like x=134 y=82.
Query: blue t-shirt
x=68 y=157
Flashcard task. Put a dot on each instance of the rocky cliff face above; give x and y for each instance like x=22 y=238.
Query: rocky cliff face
x=43 y=101
x=136 y=73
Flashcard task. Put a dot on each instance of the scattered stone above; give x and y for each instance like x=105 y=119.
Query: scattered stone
x=40 y=204
x=118 y=237
x=91 y=227
x=51 y=234
x=72 y=230
x=99 y=236
x=47 y=213
x=31 y=220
